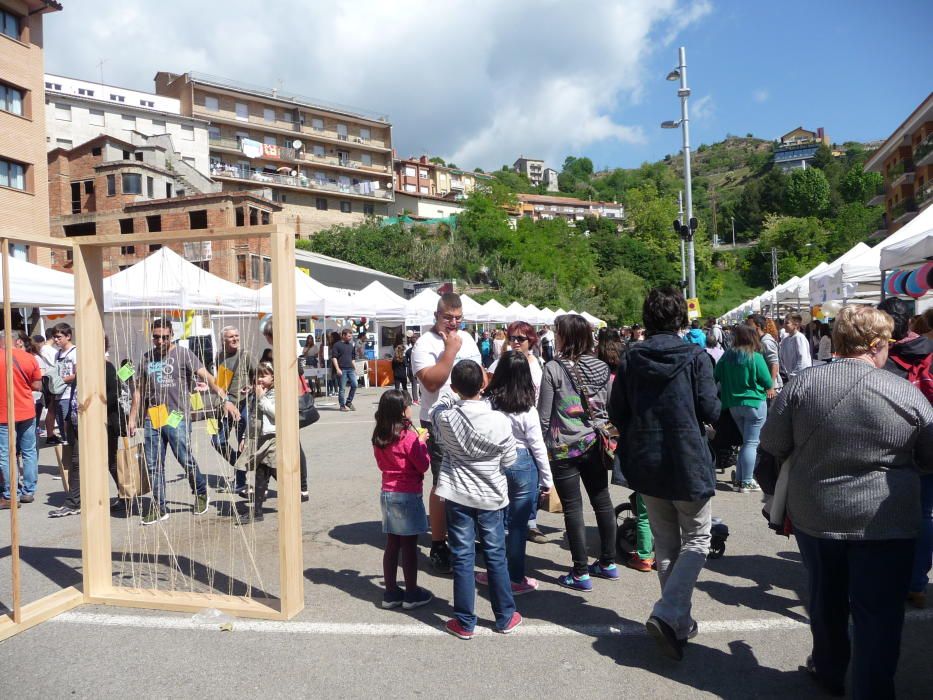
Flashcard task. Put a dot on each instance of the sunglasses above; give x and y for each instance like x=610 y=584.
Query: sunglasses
x=517 y=338
x=452 y=318
x=161 y=336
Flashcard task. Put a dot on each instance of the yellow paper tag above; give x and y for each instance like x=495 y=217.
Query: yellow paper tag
x=158 y=415
x=224 y=377
x=212 y=428
x=197 y=403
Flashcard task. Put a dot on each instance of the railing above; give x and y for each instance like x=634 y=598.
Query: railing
x=899 y=170
x=903 y=207
x=924 y=147
x=923 y=196
x=257 y=176
x=288 y=153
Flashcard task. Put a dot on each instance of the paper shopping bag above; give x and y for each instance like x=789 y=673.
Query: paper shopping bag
x=553 y=504
x=132 y=475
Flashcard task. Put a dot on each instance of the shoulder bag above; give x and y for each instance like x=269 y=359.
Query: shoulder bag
x=607 y=435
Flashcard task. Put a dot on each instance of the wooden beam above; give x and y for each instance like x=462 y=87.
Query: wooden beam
x=10 y=426
x=291 y=568
x=188 y=601
x=180 y=236
x=40 y=611
x=38 y=239
x=92 y=420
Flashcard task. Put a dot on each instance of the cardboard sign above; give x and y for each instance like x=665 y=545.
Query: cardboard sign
x=212 y=427
x=158 y=415
x=224 y=377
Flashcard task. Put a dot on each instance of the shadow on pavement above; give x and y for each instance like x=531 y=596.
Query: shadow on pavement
x=767 y=573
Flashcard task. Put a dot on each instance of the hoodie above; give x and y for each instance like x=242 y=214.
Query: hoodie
x=662 y=395
x=478 y=446
x=567 y=431
x=696 y=336
x=909 y=352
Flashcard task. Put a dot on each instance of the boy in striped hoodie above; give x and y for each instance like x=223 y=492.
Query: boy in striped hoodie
x=478 y=446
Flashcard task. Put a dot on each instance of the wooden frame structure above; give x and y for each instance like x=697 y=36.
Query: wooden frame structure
x=96 y=544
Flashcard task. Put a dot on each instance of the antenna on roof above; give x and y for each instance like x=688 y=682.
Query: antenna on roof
x=100 y=67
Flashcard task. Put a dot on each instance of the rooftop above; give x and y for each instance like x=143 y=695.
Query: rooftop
x=550 y=199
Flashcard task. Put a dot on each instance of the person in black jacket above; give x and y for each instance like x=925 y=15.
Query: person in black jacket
x=663 y=394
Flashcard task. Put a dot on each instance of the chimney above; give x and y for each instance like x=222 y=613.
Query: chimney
x=423 y=160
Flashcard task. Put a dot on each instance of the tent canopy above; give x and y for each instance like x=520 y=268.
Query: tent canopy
x=492 y=311
x=908 y=253
x=33 y=285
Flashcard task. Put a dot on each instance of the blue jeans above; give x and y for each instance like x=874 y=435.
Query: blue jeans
x=25 y=445
x=923 y=553
x=348 y=375
x=522 y=478
x=749 y=420
x=155 y=444
x=869 y=579
x=463 y=526
x=221 y=441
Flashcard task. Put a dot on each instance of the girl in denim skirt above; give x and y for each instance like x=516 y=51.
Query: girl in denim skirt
x=402 y=456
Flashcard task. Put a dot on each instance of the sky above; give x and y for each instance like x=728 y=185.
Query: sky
x=481 y=82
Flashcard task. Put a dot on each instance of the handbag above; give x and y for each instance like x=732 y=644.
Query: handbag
x=307 y=412
x=132 y=476
x=607 y=435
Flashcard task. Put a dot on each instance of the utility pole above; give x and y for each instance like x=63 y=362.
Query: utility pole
x=684 y=94
x=733 y=232
x=683 y=255
x=774 y=268
x=712 y=199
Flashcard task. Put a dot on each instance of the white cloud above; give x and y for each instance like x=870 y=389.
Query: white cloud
x=761 y=95
x=702 y=108
x=478 y=81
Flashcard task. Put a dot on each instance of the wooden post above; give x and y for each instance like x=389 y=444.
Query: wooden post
x=285 y=360
x=92 y=421
x=11 y=428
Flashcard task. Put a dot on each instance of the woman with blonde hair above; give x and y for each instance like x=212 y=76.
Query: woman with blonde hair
x=854 y=438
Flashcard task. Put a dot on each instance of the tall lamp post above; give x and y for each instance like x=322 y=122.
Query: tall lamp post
x=680 y=73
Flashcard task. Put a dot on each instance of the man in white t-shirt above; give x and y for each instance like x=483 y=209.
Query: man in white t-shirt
x=794 y=351
x=432 y=359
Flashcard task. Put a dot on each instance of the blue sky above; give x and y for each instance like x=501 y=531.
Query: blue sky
x=855 y=68
x=484 y=81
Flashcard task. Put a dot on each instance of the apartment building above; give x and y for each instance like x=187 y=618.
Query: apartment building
x=544 y=207
x=323 y=164
x=532 y=168
x=111 y=186
x=905 y=160
x=795 y=149
x=24 y=201
x=80 y=110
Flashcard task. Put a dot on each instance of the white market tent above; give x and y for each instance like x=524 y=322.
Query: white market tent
x=310 y=300
x=515 y=312
x=492 y=311
x=471 y=307
x=419 y=310
x=820 y=283
x=376 y=300
x=592 y=320
x=855 y=275
x=800 y=291
x=908 y=253
x=33 y=285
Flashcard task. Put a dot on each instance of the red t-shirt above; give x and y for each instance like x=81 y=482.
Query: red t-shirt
x=25 y=371
x=403 y=463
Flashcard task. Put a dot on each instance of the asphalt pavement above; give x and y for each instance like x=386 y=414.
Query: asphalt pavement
x=753 y=626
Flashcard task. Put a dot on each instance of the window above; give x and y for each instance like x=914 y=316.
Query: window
x=88 y=187
x=317 y=124
x=242 y=111
x=320 y=204
x=128 y=121
x=366 y=159
x=277 y=197
x=264 y=218
x=96 y=151
x=211 y=104
x=132 y=183
x=111 y=185
x=369 y=209
x=63 y=143
x=75 y=197
x=423 y=190
x=158 y=123
x=96 y=117
x=241 y=268
x=411 y=188
x=63 y=112
x=213 y=133
x=150 y=188
x=187 y=133
x=267 y=269
x=345 y=207
x=241 y=221
x=117 y=98
x=287 y=117
x=126 y=155
x=197 y=219
x=85 y=92
x=154 y=247
x=168 y=190
x=343 y=157
x=364 y=134
x=54 y=86
x=85 y=229
x=254 y=267
x=154 y=223
x=11 y=99
x=269 y=140
x=9 y=25
x=268 y=115
x=179 y=192
x=422 y=174
x=147 y=103
x=126 y=226
x=138 y=156
x=318 y=151
x=253 y=216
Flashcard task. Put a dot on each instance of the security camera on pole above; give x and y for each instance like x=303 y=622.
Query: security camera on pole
x=680 y=73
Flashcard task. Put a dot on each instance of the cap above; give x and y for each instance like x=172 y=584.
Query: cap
x=409 y=334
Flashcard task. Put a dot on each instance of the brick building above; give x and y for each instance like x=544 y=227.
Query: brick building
x=112 y=186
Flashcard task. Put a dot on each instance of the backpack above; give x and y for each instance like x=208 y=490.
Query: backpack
x=919 y=374
x=726 y=340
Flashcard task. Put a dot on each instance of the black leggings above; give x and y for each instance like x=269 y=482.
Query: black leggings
x=407 y=546
x=567 y=477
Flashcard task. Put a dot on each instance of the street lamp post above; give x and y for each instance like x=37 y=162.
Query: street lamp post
x=680 y=73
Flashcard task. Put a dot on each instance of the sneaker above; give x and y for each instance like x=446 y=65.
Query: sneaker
x=663 y=635
x=482 y=578
x=351 y=406
x=153 y=515
x=392 y=599
x=305 y=495
x=440 y=560
x=344 y=409
x=62 y=512
x=453 y=626
x=5 y=505
x=417 y=598
x=53 y=440
x=244 y=491
x=527 y=586
x=201 y=503
x=535 y=535
x=577 y=583
x=638 y=564
x=610 y=573
x=513 y=623
x=694 y=630
x=26 y=498
x=749 y=487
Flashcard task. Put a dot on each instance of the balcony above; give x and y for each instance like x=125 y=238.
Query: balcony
x=878 y=199
x=903 y=211
x=302 y=156
x=923 y=153
x=898 y=174
x=924 y=197
x=224 y=171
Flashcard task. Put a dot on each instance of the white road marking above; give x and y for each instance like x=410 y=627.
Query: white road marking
x=365 y=629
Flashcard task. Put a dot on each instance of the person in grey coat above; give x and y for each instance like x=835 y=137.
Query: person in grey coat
x=857 y=438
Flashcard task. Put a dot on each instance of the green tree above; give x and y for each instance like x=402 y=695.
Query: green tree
x=807 y=192
x=484 y=223
x=437 y=160
x=621 y=294
x=800 y=243
x=853 y=224
x=859 y=186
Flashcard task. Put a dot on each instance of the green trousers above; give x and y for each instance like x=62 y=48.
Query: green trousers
x=644 y=542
